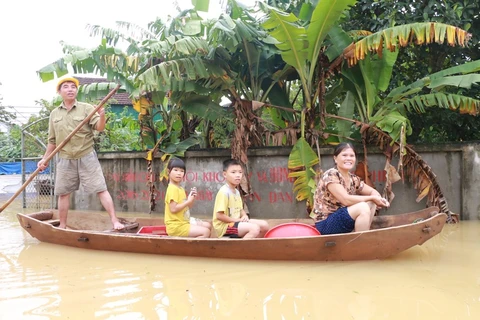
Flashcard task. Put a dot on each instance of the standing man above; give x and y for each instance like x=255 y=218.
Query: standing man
x=78 y=162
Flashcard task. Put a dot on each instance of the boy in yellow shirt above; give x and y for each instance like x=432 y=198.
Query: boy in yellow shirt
x=229 y=217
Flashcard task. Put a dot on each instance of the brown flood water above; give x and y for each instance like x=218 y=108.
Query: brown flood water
x=439 y=280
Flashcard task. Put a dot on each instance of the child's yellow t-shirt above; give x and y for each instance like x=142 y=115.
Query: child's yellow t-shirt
x=230 y=203
x=178 y=224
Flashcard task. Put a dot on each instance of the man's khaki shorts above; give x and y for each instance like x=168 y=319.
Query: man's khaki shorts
x=73 y=172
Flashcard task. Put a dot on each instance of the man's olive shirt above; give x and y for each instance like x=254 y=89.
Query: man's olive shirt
x=63 y=122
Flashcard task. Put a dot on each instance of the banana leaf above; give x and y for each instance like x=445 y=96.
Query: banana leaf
x=301 y=160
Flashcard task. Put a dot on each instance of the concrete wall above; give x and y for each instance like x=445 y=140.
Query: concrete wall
x=456 y=167
x=470 y=201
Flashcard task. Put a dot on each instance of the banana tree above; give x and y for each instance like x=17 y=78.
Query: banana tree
x=436 y=90
x=368 y=76
x=190 y=66
x=178 y=61
x=372 y=76
x=234 y=60
x=368 y=80
x=258 y=74
x=301 y=48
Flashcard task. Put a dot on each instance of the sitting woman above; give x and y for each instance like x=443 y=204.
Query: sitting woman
x=343 y=202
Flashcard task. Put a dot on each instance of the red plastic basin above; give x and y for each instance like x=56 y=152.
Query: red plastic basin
x=153 y=230
x=292 y=229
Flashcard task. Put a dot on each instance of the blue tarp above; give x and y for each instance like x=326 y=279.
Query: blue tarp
x=16 y=167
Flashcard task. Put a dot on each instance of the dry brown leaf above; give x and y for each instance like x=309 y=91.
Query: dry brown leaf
x=278 y=138
x=423 y=193
x=412 y=167
x=257 y=105
x=392 y=174
x=364 y=128
x=362 y=171
x=423 y=182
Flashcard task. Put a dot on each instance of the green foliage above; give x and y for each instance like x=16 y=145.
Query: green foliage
x=440 y=125
x=374 y=15
x=10 y=146
x=222 y=132
x=301 y=161
x=203 y=107
x=6 y=116
x=179 y=148
x=35 y=136
x=121 y=133
x=201 y=5
x=291 y=38
x=417 y=62
x=300 y=8
x=300 y=46
x=346 y=110
x=431 y=91
x=36 y=130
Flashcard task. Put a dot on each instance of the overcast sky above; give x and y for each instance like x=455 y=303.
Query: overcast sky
x=31 y=32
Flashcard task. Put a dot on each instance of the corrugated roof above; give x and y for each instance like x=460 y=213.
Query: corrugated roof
x=119 y=98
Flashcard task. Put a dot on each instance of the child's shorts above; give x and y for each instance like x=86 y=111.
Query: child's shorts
x=232 y=230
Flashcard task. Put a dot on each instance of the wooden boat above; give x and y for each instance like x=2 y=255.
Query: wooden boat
x=390 y=234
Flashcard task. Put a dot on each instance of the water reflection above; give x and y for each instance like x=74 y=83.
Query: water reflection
x=440 y=280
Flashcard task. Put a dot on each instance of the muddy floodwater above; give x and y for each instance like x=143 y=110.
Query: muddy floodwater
x=439 y=280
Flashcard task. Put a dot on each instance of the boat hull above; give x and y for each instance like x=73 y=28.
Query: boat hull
x=394 y=235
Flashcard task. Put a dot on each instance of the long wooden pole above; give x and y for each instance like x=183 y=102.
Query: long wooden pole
x=61 y=145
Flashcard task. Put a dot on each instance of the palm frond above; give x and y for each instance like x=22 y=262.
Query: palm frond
x=401 y=36
x=443 y=100
x=126 y=31
x=189 y=46
x=468 y=67
x=325 y=15
x=462 y=76
x=202 y=106
x=179 y=149
x=393 y=123
x=159 y=48
x=111 y=36
x=96 y=91
x=463 y=81
x=291 y=37
x=190 y=69
x=101 y=60
x=359 y=33
x=413 y=166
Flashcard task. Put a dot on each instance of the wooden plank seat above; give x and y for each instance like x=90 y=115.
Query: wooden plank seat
x=53 y=222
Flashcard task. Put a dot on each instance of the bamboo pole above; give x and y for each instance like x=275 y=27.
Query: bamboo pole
x=60 y=146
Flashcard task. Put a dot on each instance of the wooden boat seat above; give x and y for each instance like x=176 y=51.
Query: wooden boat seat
x=53 y=222
x=42 y=215
x=56 y=223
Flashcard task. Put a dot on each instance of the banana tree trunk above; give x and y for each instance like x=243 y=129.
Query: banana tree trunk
x=248 y=132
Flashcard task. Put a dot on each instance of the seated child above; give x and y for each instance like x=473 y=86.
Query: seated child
x=228 y=212
x=177 y=214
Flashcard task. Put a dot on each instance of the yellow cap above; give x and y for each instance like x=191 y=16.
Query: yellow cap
x=69 y=79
